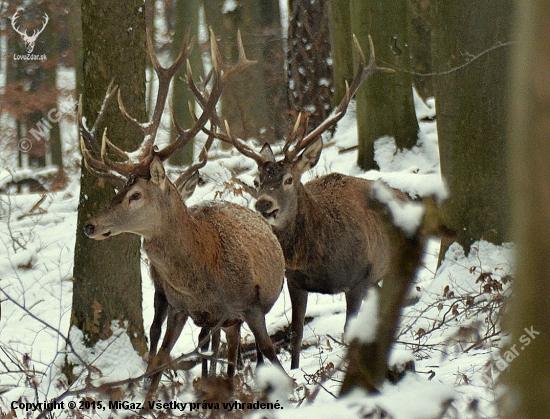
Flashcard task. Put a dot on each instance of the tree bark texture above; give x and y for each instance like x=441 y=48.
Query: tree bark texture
x=385 y=105
x=471 y=104
x=107 y=280
x=527 y=379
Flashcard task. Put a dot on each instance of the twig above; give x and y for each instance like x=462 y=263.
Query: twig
x=467 y=63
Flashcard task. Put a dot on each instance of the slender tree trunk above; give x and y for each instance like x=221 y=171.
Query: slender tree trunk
x=107 y=280
x=420 y=41
x=341 y=46
x=527 y=380
x=51 y=42
x=308 y=57
x=186 y=20
x=471 y=114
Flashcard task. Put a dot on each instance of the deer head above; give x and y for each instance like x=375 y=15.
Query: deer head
x=278 y=181
x=29 y=40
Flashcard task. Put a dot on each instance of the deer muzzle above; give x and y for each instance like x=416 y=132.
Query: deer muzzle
x=267 y=208
x=91 y=230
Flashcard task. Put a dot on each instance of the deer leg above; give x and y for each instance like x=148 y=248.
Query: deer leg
x=161 y=309
x=259 y=356
x=298 y=299
x=256 y=321
x=174 y=326
x=215 y=351
x=354 y=298
x=204 y=333
x=240 y=362
x=233 y=335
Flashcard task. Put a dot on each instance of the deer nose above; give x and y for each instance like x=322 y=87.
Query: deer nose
x=263 y=205
x=89 y=229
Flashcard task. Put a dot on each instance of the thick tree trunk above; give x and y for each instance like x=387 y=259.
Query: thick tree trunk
x=107 y=280
x=471 y=114
x=385 y=105
x=527 y=381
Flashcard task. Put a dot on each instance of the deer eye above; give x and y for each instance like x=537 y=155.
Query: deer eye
x=135 y=196
x=288 y=181
x=256 y=183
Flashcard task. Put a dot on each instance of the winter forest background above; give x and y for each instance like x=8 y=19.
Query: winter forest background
x=462 y=120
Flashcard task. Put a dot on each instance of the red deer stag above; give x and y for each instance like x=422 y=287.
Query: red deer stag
x=332 y=239
x=218 y=263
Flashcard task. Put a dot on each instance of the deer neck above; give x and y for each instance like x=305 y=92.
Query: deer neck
x=299 y=233
x=180 y=235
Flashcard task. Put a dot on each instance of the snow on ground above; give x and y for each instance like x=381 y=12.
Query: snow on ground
x=452 y=330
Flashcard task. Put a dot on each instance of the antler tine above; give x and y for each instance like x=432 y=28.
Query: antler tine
x=208 y=101
x=363 y=72
x=165 y=76
x=242 y=62
x=111 y=90
x=98 y=168
x=203 y=158
x=295 y=132
x=242 y=147
x=13 y=19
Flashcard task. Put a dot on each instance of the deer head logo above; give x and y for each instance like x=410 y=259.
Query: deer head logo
x=29 y=39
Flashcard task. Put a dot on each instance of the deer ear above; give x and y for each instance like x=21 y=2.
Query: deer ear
x=310 y=156
x=158 y=175
x=267 y=153
x=187 y=186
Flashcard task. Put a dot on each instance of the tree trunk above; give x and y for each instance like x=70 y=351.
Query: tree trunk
x=420 y=41
x=107 y=280
x=526 y=381
x=341 y=47
x=308 y=57
x=471 y=114
x=50 y=83
x=186 y=20
x=385 y=105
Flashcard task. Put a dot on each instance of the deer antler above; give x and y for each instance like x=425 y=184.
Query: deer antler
x=297 y=135
x=16 y=29
x=37 y=32
x=96 y=156
x=225 y=133
x=29 y=40
x=94 y=153
x=203 y=158
x=363 y=72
